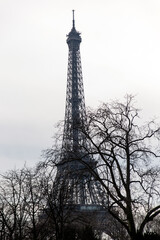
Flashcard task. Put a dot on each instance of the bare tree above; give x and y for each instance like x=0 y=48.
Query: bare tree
x=128 y=157
x=22 y=201
x=12 y=213
x=35 y=203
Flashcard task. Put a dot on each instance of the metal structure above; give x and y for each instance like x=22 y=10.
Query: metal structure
x=75 y=114
x=85 y=191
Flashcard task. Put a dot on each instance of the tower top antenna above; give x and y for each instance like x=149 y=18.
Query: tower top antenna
x=73 y=19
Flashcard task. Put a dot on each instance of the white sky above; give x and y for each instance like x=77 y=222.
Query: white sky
x=120 y=53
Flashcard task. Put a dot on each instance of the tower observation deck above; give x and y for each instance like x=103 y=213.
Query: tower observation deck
x=85 y=191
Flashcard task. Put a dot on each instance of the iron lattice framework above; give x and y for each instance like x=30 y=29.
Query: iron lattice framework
x=75 y=114
x=84 y=190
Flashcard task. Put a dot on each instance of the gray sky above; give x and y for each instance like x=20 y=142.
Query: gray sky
x=120 y=53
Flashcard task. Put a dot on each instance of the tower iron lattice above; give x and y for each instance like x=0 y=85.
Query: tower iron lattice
x=84 y=189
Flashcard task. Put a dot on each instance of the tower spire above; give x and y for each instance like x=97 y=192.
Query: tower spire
x=73 y=18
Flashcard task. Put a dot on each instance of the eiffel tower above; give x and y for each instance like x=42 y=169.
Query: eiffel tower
x=76 y=197
x=85 y=192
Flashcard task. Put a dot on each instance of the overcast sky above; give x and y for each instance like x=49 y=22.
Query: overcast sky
x=120 y=53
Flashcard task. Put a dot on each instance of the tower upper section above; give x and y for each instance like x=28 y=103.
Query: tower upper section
x=73 y=38
x=75 y=113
